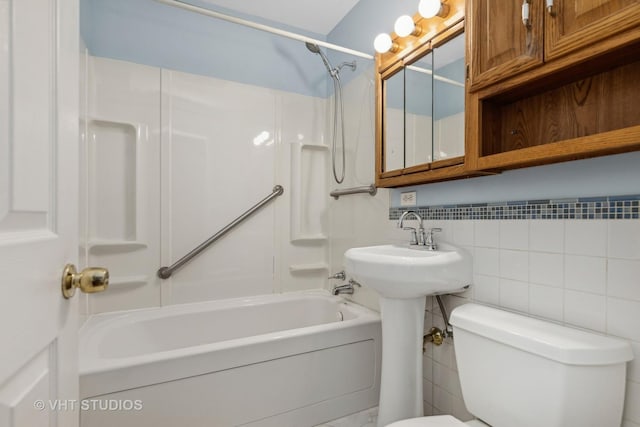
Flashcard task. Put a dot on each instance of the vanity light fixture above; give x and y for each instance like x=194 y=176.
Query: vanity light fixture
x=430 y=8
x=383 y=43
x=405 y=26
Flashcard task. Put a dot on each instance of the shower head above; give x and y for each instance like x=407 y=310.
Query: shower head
x=316 y=49
x=312 y=47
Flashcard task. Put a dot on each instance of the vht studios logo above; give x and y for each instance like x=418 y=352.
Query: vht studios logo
x=88 y=405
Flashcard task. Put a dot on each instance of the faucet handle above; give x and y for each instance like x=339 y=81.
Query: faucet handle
x=414 y=235
x=428 y=240
x=340 y=276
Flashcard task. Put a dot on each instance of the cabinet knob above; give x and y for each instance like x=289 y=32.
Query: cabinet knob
x=550 y=8
x=526 y=13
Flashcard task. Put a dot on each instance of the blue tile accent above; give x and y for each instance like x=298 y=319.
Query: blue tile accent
x=614 y=207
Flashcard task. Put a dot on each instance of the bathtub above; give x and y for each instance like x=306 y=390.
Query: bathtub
x=297 y=360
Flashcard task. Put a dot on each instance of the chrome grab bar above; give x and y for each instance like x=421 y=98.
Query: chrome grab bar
x=371 y=189
x=166 y=272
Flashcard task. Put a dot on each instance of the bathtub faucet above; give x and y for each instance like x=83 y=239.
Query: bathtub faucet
x=347 y=288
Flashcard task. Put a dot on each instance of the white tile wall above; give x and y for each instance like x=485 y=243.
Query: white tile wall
x=514 y=264
x=582 y=273
x=514 y=234
x=514 y=295
x=546 y=268
x=546 y=236
x=486 y=234
x=585 y=310
x=623 y=278
x=586 y=237
x=545 y=301
x=623 y=239
x=587 y=274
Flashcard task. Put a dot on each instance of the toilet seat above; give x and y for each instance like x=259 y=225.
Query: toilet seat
x=436 y=421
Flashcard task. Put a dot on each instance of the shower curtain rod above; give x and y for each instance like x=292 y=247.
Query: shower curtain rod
x=261 y=27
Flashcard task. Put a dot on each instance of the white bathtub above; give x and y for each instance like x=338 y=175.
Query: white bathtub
x=295 y=360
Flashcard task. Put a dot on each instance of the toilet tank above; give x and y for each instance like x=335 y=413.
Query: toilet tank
x=519 y=371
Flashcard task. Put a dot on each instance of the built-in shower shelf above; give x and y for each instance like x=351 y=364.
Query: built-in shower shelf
x=310 y=238
x=115 y=245
x=309 y=165
x=116 y=197
x=305 y=268
x=128 y=280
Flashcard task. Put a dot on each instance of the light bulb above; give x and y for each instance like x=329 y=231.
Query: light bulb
x=429 y=8
x=404 y=26
x=382 y=43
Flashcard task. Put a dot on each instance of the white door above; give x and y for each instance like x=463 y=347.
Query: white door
x=38 y=211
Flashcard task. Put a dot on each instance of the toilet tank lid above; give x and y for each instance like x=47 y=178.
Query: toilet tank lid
x=556 y=342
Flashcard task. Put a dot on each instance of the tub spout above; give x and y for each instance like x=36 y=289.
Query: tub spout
x=347 y=288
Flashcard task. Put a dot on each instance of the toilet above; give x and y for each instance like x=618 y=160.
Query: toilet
x=516 y=371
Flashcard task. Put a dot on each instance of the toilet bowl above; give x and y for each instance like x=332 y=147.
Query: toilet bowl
x=510 y=366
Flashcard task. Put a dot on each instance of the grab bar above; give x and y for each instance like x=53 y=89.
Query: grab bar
x=371 y=189
x=166 y=272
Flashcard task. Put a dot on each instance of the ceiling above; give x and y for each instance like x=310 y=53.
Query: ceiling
x=316 y=16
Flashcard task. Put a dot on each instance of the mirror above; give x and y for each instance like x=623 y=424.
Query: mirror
x=418 y=113
x=448 y=99
x=420 y=116
x=394 y=135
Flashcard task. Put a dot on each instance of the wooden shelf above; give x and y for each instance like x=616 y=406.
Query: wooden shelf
x=593 y=116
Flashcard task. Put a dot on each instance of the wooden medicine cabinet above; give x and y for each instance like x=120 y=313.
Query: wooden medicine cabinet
x=420 y=104
x=546 y=81
x=551 y=81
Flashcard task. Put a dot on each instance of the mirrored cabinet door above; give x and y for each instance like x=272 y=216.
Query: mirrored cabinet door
x=448 y=99
x=420 y=105
x=418 y=113
x=393 y=121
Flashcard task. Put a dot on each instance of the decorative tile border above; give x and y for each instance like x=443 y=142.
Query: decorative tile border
x=613 y=207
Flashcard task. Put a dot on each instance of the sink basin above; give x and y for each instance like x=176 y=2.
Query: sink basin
x=403 y=275
x=405 y=271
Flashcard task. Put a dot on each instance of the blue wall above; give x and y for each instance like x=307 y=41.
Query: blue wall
x=602 y=176
x=150 y=33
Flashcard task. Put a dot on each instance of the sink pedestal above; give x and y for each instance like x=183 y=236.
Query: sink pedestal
x=404 y=275
x=401 y=378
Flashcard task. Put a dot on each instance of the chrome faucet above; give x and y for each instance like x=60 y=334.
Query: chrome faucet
x=347 y=288
x=417 y=236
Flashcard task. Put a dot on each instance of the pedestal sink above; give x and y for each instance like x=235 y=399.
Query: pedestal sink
x=403 y=276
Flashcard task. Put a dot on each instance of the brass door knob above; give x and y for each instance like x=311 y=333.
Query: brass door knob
x=89 y=280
